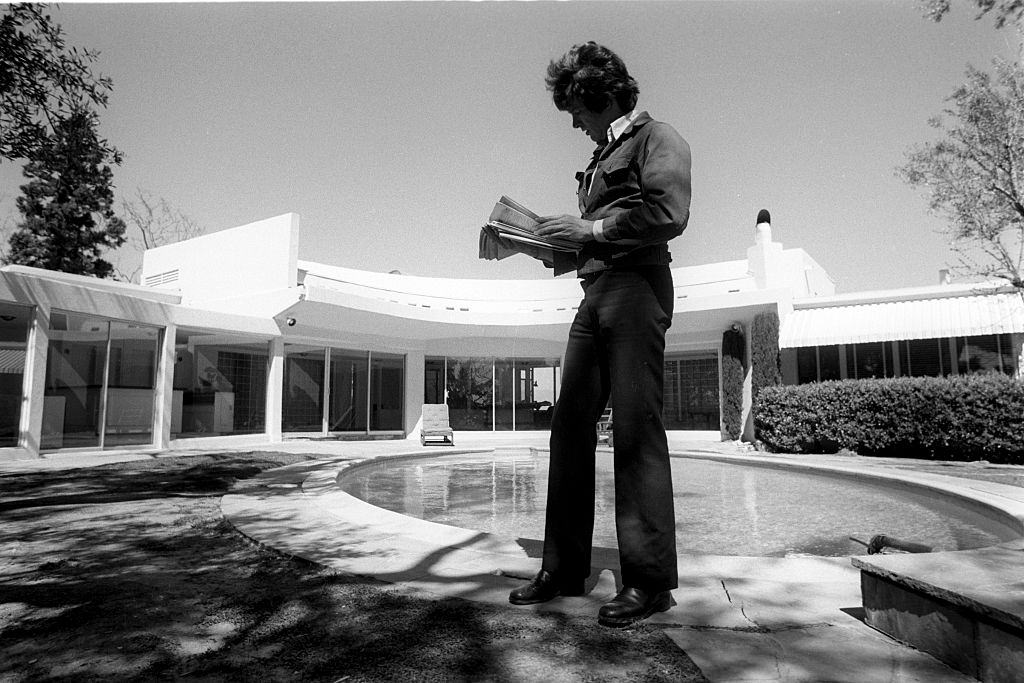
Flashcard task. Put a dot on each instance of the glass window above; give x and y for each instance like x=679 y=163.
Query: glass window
x=536 y=385
x=504 y=395
x=867 y=360
x=828 y=363
x=806 y=364
x=387 y=392
x=15 y=323
x=470 y=396
x=131 y=384
x=1006 y=353
x=302 y=401
x=691 y=394
x=988 y=352
x=922 y=358
x=433 y=381
x=75 y=364
x=220 y=385
x=348 y=391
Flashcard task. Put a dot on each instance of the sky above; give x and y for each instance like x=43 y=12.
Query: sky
x=391 y=128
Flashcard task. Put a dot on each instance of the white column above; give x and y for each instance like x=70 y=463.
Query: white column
x=163 y=401
x=275 y=385
x=35 y=382
x=415 y=367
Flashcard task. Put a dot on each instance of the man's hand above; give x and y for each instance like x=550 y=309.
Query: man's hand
x=566 y=227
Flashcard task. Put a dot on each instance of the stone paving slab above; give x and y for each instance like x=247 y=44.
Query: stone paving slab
x=837 y=653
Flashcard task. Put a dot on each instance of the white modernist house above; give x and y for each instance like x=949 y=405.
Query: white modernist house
x=232 y=339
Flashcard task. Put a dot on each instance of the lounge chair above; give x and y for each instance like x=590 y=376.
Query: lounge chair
x=435 y=425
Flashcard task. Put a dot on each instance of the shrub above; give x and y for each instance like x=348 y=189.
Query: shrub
x=765 y=362
x=733 y=370
x=972 y=417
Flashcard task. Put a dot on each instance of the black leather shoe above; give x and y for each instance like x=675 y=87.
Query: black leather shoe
x=632 y=605
x=545 y=586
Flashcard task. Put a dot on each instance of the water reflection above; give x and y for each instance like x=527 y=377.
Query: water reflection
x=721 y=508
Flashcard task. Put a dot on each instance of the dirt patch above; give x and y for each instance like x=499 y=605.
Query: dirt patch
x=129 y=572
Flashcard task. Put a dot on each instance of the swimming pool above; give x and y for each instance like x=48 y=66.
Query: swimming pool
x=722 y=508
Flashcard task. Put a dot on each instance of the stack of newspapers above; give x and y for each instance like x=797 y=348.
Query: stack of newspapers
x=513 y=221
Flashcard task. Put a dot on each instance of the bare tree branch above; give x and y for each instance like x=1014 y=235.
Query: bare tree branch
x=151 y=222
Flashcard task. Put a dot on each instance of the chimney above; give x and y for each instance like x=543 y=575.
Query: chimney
x=764 y=258
x=944 y=277
x=763 y=227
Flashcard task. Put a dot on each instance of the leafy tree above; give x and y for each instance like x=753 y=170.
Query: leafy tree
x=42 y=80
x=150 y=222
x=1005 y=11
x=975 y=173
x=67 y=205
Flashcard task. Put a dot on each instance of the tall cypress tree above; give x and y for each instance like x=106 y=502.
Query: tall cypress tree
x=67 y=205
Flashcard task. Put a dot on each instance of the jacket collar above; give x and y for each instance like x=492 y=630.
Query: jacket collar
x=642 y=119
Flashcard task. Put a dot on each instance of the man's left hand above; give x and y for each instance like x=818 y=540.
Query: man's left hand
x=566 y=227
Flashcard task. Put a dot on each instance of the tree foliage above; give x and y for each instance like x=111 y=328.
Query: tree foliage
x=765 y=359
x=150 y=222
x=734 y=354
x=1005 y=11
x=42 y=80
x=67 y=206
x=975 y=173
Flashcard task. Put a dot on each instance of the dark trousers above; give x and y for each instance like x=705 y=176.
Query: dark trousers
x=616 y=348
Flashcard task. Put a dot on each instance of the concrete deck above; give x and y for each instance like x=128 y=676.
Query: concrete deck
x=738 y=618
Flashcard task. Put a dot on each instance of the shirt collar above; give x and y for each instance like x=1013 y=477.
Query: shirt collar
x=621 y=124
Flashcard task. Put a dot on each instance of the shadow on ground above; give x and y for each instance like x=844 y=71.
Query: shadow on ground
x=128 y=572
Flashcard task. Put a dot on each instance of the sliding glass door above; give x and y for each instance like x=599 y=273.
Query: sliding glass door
x=100 y=382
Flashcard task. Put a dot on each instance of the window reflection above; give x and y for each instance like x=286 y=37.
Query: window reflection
x=302 y=404
x=100 y=382
x=349 y=370
x=15 y=322
x=220 y=385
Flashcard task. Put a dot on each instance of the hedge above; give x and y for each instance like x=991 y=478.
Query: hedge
x=972 y=417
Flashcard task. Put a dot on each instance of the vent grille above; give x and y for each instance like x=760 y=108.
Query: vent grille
x=164 y=278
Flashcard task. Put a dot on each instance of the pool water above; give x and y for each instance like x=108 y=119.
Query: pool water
x=721 y=508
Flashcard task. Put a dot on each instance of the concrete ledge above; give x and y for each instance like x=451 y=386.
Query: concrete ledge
x=965 y=608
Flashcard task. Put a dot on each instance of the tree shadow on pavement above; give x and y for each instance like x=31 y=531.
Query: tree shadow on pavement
x=129 y=572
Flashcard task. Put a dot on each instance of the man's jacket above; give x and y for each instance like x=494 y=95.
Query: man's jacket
x=641 y=188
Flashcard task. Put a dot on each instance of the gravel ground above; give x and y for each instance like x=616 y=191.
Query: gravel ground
x=128 y=572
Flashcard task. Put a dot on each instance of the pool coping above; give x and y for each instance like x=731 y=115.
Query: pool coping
x=792 y=610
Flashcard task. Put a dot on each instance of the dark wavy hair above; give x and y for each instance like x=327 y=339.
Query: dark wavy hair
x=595 y=75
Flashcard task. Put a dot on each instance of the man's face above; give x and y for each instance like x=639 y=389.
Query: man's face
x=594 y=124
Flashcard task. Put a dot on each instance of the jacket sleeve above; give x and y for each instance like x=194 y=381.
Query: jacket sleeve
x=664 y=164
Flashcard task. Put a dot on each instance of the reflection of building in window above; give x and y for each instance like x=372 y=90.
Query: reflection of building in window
x=935 y=357
x=691 y=393
x=14 y=328
x=499 y=394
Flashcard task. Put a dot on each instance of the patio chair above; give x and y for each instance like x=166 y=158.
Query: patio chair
x=435 y=426
x=604 y=428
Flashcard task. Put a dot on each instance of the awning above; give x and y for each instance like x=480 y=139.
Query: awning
x=959 y=316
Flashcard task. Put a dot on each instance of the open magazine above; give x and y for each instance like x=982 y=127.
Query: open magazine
x=513 y=221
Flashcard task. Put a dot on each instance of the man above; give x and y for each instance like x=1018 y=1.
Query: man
x=634 y=197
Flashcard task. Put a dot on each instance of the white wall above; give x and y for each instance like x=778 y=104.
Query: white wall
x=252 y=258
